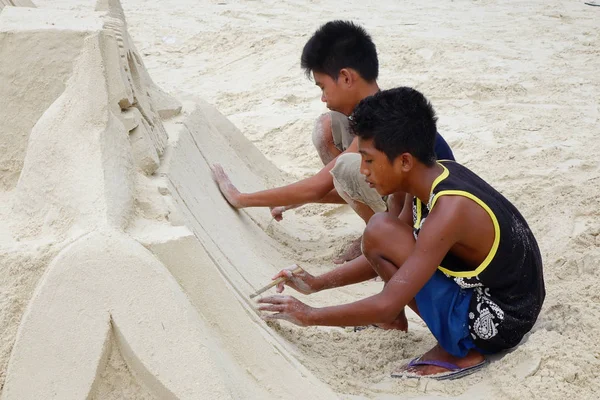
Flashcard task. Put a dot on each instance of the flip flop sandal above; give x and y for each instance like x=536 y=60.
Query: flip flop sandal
x=454 y=371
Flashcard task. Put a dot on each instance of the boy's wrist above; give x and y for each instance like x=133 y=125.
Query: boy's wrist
x=242 y=199
x=319 y=284
x=312 y=317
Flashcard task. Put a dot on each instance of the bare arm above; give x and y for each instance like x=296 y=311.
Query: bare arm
x=333 y=197
x=309 y=190
x=355 y=271
x=440 y=232
x=304 y=191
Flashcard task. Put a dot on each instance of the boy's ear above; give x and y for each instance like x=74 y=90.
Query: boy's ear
x=406 y=161
x=398 y=164
x=347 y=77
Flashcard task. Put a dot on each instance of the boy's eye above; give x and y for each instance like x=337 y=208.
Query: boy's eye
x=368 y=161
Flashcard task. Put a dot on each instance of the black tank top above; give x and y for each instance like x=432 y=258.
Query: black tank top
x=508 y=285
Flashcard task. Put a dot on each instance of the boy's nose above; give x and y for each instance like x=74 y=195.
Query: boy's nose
x=365 y=171
x=323 y=98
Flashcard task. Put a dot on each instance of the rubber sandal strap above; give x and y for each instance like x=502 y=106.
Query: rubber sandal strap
x=442 y=364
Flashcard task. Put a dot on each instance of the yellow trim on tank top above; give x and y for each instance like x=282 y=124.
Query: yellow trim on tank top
x=493 y=250
x=445 y=173
x=419 y=213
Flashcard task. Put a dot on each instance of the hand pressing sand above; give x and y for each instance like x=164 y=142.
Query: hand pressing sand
x=287 y=308
x=229 y=191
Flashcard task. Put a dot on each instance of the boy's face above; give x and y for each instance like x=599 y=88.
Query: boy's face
x=379 y=172
x=334 y=93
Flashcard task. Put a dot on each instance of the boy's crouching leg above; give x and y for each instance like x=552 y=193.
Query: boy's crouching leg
x=387 y=243
x=323 y=140
x=444 y=307
x=439 y=364
x=352 y=187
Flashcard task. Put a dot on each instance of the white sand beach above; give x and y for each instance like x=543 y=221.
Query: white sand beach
x=517 y=92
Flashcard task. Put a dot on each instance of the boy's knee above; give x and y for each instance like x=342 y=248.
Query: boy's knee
x=323 y=139
x=322 y=134
x=378 y=228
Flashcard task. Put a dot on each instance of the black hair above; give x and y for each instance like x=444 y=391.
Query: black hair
x=399 y=120
x=337 y=45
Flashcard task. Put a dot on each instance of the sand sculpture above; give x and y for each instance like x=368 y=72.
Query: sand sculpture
x=116 y=238
x=124 y=274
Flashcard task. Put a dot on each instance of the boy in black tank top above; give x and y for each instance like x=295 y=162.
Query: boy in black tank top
x=463 y=257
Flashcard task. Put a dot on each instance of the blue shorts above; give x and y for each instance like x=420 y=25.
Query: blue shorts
x=442 y=150
x=444 y=307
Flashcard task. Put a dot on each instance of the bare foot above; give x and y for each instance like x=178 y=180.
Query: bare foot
x=351 y=252
x=400 y=323
x=229 y=191
x=439 y=354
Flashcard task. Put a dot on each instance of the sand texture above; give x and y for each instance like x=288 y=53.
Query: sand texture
x=124 y=273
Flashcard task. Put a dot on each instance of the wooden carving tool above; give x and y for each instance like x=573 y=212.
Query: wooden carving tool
x=274 y=283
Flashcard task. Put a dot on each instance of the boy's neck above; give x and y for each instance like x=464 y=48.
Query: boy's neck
x=364 y=89
x=422 y=180
x=367 y=89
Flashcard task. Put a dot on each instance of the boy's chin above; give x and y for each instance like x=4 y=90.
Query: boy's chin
x=382 y=192
x=386 y=191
